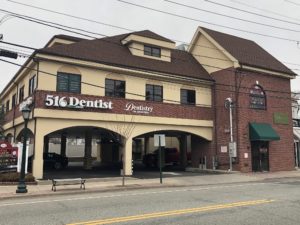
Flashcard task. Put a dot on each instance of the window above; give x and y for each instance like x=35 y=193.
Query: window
x=21 y=94
x=14 y=100
x=32 y=85
x=7 y=106
x=154 y=93
x=257 y=98
x=115 y=88
x=67 y=82
x=188 y=97
x=152 y=51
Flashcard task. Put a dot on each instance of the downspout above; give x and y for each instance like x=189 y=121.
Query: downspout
x=236 y=72
x=214 y=102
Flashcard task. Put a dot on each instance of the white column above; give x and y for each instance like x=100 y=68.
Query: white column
x=127 y=154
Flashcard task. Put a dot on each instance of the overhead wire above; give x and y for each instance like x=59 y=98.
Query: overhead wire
x=250 y=12
x=114 y=26
x=211 y=23
x=167 y=100
x=231 y=17
x=264 y=10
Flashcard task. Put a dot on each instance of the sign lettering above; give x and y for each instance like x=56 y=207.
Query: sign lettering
x=138 y=108
x=74 y=102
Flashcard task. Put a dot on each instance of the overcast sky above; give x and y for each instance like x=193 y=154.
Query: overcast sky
x=180 y=29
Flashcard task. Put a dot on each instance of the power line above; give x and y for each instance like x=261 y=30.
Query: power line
x=51 y=24
x=231 y=17
x=291 y=2
x=166 y=56
x=69 y=15
x=249 y=12
x=264 y=10
x=139 y=95
x=114 y=26
x=202 y=21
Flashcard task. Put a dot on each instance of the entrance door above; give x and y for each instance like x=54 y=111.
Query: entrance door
x=260 y=155
x=297 y=154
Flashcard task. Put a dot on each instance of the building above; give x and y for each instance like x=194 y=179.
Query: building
x=259 y=86
x=117 y=92
x=296 y=126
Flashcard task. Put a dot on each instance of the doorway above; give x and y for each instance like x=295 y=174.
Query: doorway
x=260 y=156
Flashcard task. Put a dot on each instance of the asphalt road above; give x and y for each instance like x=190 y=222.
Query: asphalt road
x=276 y=202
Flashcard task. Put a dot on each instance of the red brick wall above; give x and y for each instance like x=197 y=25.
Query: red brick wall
x=281 y=153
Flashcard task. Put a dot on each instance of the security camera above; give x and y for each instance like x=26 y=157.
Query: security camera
x=1 y=37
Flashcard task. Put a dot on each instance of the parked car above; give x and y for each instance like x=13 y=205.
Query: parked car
x=171 y=156
x=52 y=160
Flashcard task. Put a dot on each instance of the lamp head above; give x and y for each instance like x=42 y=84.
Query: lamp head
x=26 y=112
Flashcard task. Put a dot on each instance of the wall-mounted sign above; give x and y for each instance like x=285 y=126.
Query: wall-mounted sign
x=74 y=102
x=138 y=108
x=224 y=149
x=281 y=118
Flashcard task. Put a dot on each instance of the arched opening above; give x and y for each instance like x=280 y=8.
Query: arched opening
x=182 y=149
x=82 y=151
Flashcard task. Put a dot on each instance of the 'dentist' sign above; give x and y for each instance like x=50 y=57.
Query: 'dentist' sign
x=74 y=102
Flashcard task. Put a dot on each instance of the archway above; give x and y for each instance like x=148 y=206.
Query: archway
x=90 y=152
x=182 y=149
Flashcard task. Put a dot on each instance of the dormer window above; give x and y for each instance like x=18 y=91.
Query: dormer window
x=152 y=51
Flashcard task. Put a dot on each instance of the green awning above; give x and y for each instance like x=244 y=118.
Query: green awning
x=262 y=132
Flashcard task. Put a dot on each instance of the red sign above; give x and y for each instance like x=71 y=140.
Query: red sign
x=8 y=156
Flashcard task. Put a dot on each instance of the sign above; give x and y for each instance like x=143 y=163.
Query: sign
x=232 y=149
x=246 y=156
x=281 y=118
x=223 y=149
x=8 y=156
x=138 y=108
x=74 y=102
x=159 y=140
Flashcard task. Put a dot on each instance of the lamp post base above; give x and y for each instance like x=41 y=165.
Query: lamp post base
x=22 y=188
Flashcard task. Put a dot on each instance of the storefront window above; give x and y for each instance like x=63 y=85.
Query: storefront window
x=187 y=97
x=67 y=82
x=257 y=98
x=154 y=93
x=115 y=88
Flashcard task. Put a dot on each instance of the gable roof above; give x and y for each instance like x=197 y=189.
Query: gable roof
x=247 y=52
x=111 y=51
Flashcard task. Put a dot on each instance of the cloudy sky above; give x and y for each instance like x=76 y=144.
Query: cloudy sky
x=257 y=20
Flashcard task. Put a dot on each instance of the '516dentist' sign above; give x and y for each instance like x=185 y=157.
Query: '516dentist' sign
x=74 y=102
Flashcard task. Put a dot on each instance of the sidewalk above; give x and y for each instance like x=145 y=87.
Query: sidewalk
x=115 y=183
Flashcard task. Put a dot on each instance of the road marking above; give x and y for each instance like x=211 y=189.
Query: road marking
x=127 y=194
x=173 y=212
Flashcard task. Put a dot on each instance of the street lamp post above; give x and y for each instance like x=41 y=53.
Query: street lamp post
x=22 y=186
x=230 y=104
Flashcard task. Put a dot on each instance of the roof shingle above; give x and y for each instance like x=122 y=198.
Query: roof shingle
x=110 y=51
